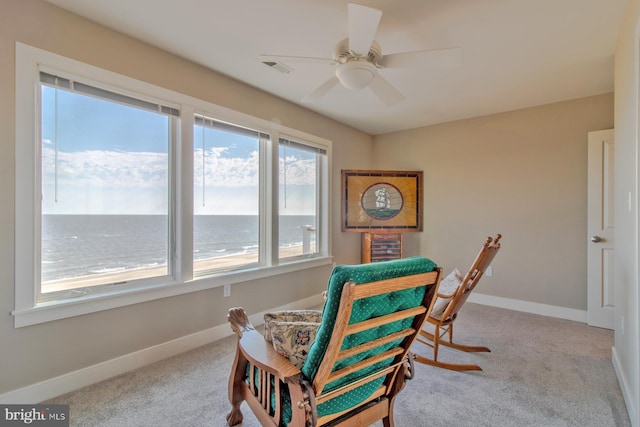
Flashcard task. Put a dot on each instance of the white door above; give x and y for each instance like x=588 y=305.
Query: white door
x=600 y=253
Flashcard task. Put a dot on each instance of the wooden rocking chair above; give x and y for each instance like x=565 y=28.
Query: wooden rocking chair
x=359 y=360
x=442 y=319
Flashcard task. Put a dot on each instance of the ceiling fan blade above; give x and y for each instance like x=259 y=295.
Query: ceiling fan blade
x=363 y=24
x=295 y=59
x=385 y=91
x=321 y=90
x=442 y=58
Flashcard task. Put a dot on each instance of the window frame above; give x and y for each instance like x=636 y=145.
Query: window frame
x=27 y=201
x=173 y=126
x=320 y=180
x=263 y=145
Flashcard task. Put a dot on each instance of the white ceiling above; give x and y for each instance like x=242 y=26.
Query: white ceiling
x=516 y=53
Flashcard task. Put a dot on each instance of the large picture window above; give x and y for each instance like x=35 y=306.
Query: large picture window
x=126 y=192
x=105 y=213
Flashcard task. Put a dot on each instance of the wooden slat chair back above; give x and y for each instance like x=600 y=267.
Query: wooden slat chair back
x=442 y=322
x=359 y=361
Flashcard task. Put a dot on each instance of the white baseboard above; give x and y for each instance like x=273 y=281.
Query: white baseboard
x=530 y=307
x=624 y=388
x=62 y=384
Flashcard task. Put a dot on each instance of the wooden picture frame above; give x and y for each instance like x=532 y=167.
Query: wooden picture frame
x=377 y=200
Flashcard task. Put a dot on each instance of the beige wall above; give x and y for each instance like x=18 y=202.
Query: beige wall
x=35 y=353
x=521 y=173
x=627 y=344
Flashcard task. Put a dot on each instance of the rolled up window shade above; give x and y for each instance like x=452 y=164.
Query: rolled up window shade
x=96 y=92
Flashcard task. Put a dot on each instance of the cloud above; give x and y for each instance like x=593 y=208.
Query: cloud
x=108 y=181
x=150 y=169
x=298 y=171
x=221 y=171
x=101 y=168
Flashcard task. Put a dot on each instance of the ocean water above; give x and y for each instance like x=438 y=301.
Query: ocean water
x=80 y=245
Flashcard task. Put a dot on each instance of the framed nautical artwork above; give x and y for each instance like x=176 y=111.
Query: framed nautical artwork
x=377 y=200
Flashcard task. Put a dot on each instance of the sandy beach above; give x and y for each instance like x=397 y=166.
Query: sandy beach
x=221 y=263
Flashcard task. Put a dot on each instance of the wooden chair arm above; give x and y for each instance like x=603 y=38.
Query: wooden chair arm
x=258 y=351
x=257 y=375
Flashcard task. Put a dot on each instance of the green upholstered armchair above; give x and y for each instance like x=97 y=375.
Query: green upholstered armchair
x=359 y=360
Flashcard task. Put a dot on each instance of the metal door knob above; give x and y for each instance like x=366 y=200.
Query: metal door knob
x=596 y=239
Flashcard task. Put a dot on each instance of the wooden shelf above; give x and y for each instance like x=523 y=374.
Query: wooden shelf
x=378 y=247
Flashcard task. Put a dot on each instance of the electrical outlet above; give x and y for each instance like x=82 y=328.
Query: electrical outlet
x=226 y=291
x=489 y=271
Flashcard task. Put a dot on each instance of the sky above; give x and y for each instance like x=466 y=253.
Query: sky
x=112 y=159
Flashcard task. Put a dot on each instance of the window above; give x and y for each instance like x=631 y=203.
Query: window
x=105 y=212
x=125 y=192
x=228 y=164
x=300 y=167
x=226 y=232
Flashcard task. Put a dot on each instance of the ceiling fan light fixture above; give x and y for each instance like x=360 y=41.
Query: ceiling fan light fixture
x=356 y=74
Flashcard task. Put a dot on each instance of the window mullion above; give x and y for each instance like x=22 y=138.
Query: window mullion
x=184 y=200
x=322 y=206
x=270 y=198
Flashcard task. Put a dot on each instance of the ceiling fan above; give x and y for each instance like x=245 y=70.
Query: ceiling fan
x=358 y=58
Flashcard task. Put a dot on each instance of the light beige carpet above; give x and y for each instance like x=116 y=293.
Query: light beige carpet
x=541 y=372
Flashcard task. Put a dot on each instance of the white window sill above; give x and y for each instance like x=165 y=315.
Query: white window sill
x=62 y=309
